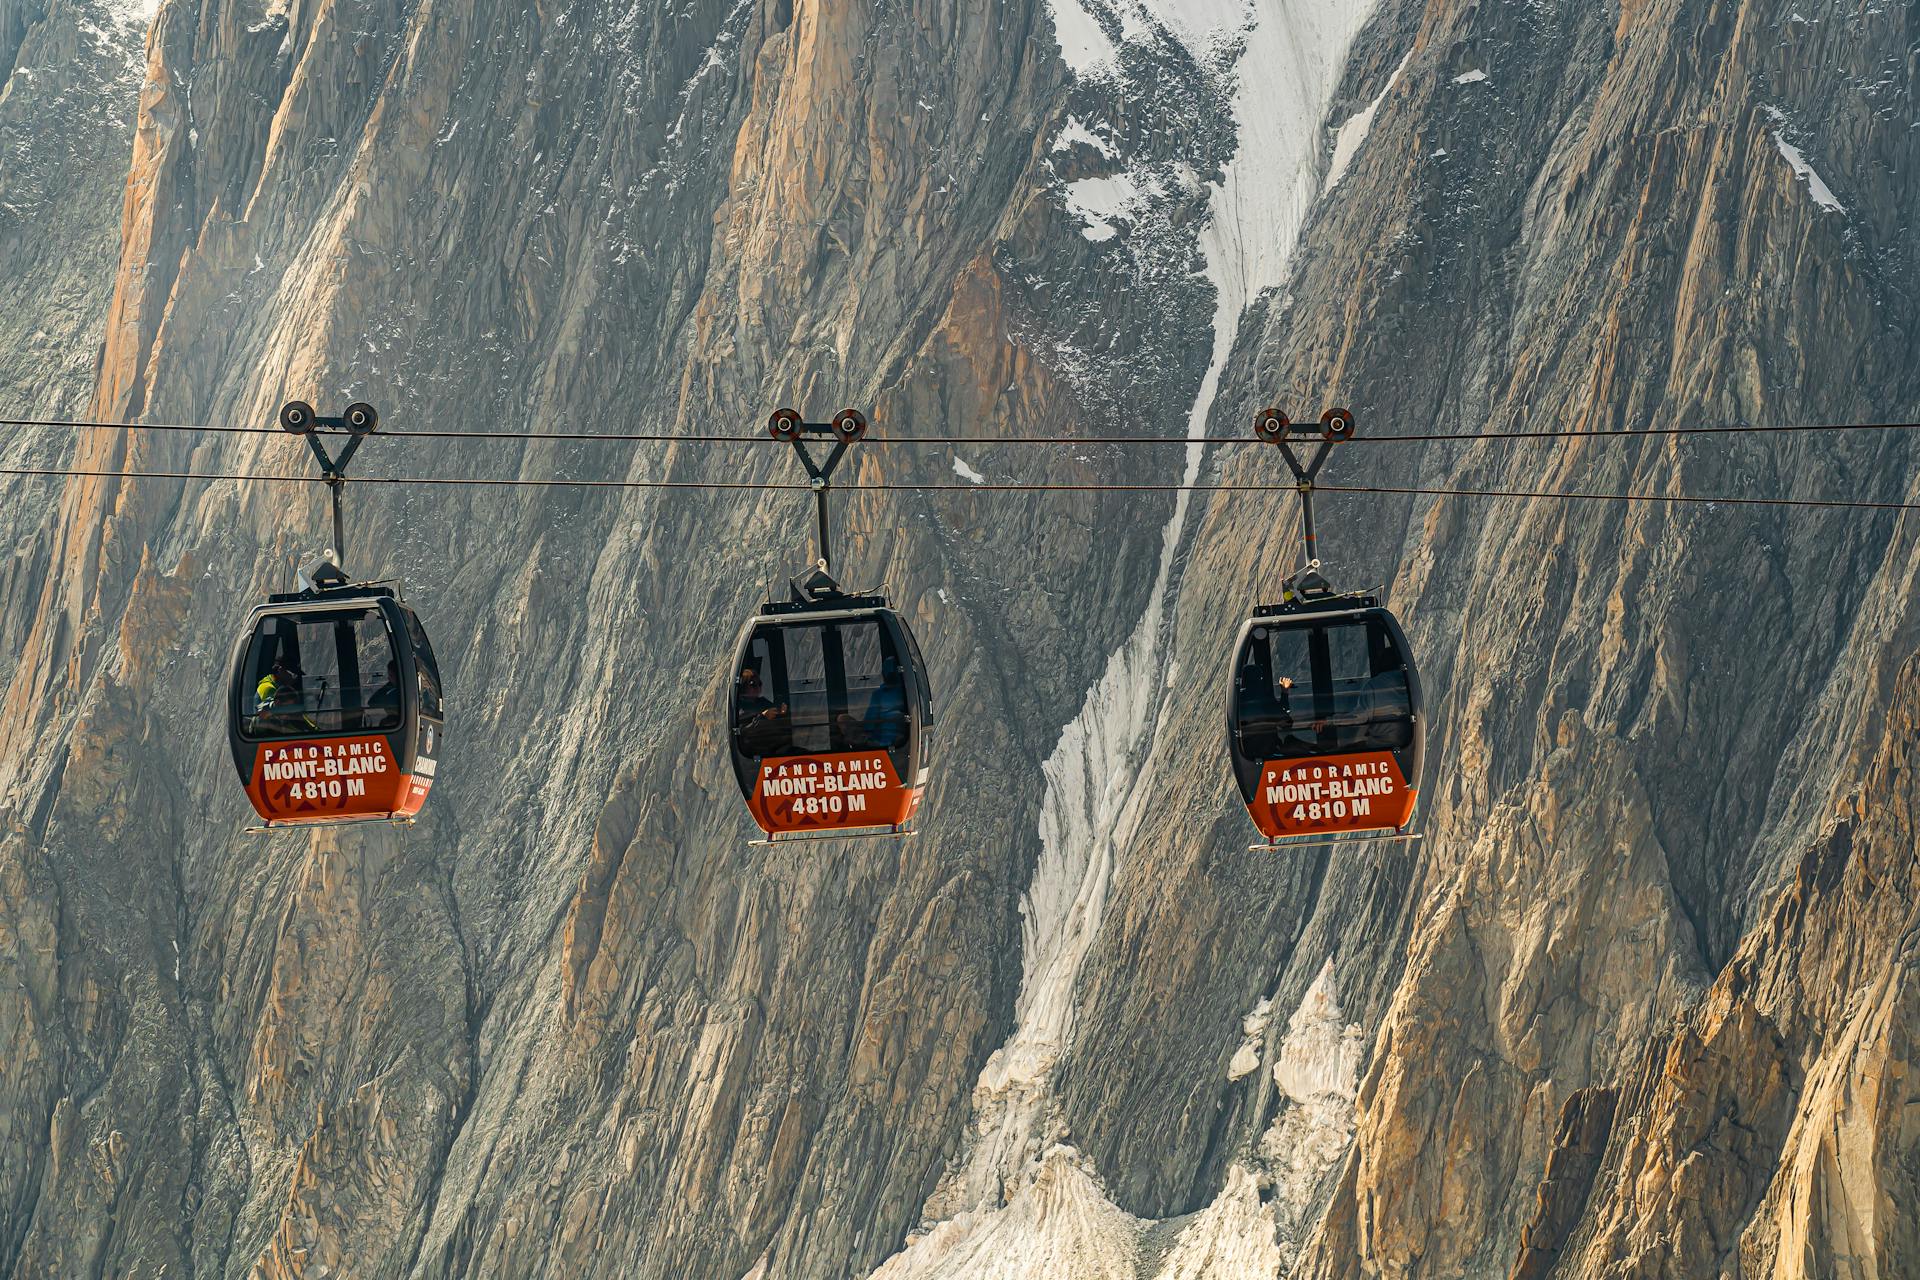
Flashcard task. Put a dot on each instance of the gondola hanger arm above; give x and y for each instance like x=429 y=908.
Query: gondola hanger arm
x=1334 y=427
x=847 y=427
x=358 y=422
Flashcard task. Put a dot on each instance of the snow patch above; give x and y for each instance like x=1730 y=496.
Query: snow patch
x=1073 y=134
x=1797 y=161
x=965 y=472
x=1318 y=1070
x=1060 y=1224
x=1230 y=1239
x=1101 y=202
x=1084 y=44
x=1207 y=28
x=1476 y=76
x=1346 y=144
x=1253 y=1031
x=1321 y=1056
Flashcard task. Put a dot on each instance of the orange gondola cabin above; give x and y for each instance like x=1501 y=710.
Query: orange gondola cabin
x=335 y=711
x=1324 y=721
x=831 y=717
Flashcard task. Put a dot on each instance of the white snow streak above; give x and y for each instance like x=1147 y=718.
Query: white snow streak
x=1100 y=770
x=1346 y=144
x=1476 y=76
x=1797 y=161
x=966 y=472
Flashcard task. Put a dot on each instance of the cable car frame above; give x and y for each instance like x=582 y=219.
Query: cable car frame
x=1331 y=748
x=829 y=712
x=314 y=741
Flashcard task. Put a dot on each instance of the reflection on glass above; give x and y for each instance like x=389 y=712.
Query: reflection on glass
x=1309 y=689
x=321 y=673
x=812 y=688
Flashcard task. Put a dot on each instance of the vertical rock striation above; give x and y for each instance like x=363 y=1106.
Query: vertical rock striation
x=1638 y=1004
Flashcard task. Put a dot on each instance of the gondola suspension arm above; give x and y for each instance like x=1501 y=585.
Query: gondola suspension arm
x=359 y=422
x=847 y=427
x=1273 y=426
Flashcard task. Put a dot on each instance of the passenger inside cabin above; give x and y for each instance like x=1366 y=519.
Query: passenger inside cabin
x=762 y=726
x=883 y=725
x=281 y=702
x=383 y=705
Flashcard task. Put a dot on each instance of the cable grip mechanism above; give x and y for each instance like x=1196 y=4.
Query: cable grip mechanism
x=1276 y=428
x=358 y=422
x=847 y=428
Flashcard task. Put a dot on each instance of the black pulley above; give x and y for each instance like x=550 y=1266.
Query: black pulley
x=1271 y=424
x=784 y=424
x=297 y=416
x=1336 y=424
x=849 y=425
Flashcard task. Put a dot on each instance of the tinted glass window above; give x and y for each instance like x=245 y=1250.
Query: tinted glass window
x=919 y=665
x=1291 y=664
x=809 y=709
x=811 y=688
x=1273 y=692
x=320 y=673
x=426 y=670
x=758 y=720
x=1348 y=691
x=875 y=711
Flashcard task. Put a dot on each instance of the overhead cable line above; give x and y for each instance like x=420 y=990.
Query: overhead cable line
x=656 y=437
x=1859 y=504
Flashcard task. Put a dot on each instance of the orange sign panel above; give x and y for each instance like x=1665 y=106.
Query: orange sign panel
x=830 y=793
x=1329 y=795
x=331 y=779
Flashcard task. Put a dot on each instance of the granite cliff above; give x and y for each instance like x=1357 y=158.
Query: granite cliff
x=1640 y=1003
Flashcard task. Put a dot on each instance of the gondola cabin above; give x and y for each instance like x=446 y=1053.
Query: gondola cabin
x=830 y=719
x=335 y=709
x=1324 y=721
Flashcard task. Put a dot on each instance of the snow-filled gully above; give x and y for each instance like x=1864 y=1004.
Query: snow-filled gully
x=992 y=1210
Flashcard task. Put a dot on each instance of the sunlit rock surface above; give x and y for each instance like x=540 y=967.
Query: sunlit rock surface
x=1639 y=1004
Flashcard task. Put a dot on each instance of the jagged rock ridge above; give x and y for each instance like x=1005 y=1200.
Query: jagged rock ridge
x=572 y=1025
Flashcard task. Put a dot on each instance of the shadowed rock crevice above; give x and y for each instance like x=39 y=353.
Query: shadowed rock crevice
x=1638 y=1004
x=1578 y=1146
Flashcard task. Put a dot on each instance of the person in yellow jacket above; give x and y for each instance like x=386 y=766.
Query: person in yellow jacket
x=278 y=708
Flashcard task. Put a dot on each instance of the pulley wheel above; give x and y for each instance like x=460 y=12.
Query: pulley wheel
x=1336 y=424
x=849 y=425
x=1271 y=425
x=784 y=424
x=361 y=417
x=297 y=416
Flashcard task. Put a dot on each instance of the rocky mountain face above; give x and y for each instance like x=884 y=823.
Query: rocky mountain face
x=1640 y=1003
